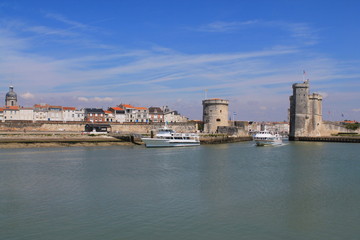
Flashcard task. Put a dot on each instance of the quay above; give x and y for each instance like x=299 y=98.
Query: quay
x=327 y=139
x=67 y=139
x=222 y=138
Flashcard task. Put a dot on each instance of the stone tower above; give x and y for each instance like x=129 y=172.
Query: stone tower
x=11 y=97
x=215 y=114
x=305 y=112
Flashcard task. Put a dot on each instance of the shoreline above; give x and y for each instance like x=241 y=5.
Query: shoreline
x=53 y=139
x=18 y=140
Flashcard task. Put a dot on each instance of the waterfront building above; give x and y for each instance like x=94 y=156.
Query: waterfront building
x=26 y=114
x=109 y=116
x=71 y=114
x=156 y=114
x=1 y=114
x=11 y=98
x=68 y=114
x=55 y=113
x=94 y=115
x=135 y=114
x=40 y=112
x=215 y=114
x=173 y=116
x=11 y=113
x=46 y=112
x=119 y=114
x=305 y=112
x=79 y=115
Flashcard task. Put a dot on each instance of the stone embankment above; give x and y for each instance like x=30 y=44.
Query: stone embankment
x=343 y=139
x=67 y=139
x=222 y=138
x=53 y=139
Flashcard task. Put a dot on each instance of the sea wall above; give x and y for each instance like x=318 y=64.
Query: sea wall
x=140 y=128
x=329 y=128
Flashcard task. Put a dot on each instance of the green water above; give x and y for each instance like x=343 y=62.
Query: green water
x=228 y=191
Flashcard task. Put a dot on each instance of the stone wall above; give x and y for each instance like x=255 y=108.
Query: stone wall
x=140 y=128
x=329 y=128
x=215 y=114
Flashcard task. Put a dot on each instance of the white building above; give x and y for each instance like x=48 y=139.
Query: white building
x=26 y=114
x=55 y=113
x=173 y=116
x=135 y=114
x=119 y=114
x=11 y=113
x=71 y=114
x=109 y=116
x=40 y=112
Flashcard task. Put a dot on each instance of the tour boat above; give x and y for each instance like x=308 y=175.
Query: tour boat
x=265 y=138
x=167 y=137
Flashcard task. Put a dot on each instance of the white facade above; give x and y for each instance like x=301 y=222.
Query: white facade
x=55 y=114
x=173 y=116
x=109 y=116
x=71 y=114
x=40 y=115
x=135 y=114
x=26 y=114
x=120 y=117
x=11 y=114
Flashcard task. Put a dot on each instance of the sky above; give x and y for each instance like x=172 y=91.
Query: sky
x=176 y=53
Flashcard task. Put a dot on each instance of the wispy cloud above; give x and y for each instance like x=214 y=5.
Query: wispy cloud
x=159 y=75
x=224 y=26
x=28 y=95
x=63 y=19
x=95 y=99
x=300 y=31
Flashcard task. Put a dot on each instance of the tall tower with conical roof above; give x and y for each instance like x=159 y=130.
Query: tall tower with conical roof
x=11 y=97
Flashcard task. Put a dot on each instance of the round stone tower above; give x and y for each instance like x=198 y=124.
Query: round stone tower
x=305 y=112
x=11 y=97
x=215 y=114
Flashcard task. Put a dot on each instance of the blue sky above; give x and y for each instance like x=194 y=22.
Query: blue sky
x=154 y=53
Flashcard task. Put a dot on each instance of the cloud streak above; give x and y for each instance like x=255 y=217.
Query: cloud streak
x=159 y=75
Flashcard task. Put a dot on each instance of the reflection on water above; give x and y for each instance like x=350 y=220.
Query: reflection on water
x=227 y=191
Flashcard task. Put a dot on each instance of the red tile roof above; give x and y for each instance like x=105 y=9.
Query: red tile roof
x=127 y=106
x=117 y=108
x=141 y=108
x=69 y=108
x=349 y=121
x=11 y=108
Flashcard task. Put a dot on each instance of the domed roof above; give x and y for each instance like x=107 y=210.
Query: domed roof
x=11 y=93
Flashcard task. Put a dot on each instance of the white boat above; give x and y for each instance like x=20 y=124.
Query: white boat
x=167 y=137
x=266 y=138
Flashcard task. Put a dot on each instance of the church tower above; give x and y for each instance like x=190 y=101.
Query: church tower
x=11 y=98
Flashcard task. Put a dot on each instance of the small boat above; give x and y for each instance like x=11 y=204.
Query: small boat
x=167 y=137
x=267 y=138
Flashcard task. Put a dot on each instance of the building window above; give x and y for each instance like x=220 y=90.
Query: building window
x=218 y=120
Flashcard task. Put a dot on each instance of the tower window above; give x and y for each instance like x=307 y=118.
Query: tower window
x=218 y=120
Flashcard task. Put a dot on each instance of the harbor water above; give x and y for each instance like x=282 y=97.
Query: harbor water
x=300 y=190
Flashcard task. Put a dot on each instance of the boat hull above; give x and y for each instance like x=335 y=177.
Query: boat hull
x=155 y=142
x=267 y=142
